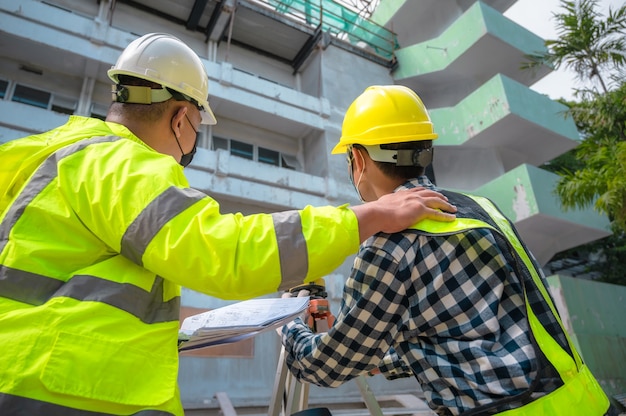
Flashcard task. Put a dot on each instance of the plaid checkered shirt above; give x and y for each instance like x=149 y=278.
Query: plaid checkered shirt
x=443 y=309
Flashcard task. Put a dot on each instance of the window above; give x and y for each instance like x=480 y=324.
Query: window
x=289 y=162
x=3 y=88
x=257 y=153
x=99 y=111
x=268 y=156
x=31 y=96
x=219 y=143
x=62 y=110
x=63 y=105
x=241 y=149
x=40 y=98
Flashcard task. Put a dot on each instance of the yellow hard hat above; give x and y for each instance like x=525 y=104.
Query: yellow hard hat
x=168 y=61
x=385 y=114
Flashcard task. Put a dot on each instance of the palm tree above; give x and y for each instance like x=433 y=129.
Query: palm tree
x=594 y=173
x=592 y=46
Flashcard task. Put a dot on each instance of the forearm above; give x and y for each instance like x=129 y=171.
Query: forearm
x=326 y=359
x=233 y=256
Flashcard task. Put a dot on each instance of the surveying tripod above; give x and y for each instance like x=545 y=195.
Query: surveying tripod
x=291 y=396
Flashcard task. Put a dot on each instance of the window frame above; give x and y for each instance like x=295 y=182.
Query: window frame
x=284 y=161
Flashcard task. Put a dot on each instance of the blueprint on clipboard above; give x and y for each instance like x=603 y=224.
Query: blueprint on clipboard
x=238 y=321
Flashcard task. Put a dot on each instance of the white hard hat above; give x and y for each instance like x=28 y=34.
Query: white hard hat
x=168 y=61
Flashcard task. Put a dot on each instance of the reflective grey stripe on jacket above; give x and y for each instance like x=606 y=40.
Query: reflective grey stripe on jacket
x=41 y=178
x=36 y=289
x=15 y=405
x=159 y=212
x=292 y=249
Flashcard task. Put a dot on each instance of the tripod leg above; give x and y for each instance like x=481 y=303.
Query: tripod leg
x=279 y=385
x=287 y=390
x=368 y=397
x=298 y=396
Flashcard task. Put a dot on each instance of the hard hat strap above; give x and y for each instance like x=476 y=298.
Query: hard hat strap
x=402 y=157
x=415 y=157
x=139 y=94
x=179 y=96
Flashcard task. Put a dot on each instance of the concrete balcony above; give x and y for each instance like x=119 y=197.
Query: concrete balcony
x=526 y=196
x=78 y=45
x=234 y=180
x=479 y=44
x=508 y=119
x=417 y=21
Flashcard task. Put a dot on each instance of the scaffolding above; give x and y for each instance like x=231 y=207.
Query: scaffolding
x=342 y=22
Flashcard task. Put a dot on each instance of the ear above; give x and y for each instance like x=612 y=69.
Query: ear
x=358 y=158
x=178 y=120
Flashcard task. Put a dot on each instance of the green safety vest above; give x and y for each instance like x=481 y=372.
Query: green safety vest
x=580 y=393
x=98 y=232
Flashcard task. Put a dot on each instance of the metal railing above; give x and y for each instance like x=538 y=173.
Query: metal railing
x=341 y=22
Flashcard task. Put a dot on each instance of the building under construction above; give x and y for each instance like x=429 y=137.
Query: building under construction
x=281 y=75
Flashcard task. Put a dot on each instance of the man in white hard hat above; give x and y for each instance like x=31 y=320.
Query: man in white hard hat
x=99 y=230
x=462 y=306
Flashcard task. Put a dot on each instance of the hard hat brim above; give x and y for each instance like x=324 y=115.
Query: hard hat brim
x=208 y=117
x=339 y=148
x=343 y=144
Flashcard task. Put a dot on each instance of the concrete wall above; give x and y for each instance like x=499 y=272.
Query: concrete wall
x=594 y=315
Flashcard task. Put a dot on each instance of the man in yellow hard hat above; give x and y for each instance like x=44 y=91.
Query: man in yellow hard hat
x=461 y=306
x=99 y=229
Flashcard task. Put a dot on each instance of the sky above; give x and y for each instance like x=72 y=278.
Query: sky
x=537 y=16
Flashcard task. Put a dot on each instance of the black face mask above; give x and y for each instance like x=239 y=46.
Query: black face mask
x=186 y=158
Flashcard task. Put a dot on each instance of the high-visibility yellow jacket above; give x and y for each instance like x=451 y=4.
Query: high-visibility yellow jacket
x=578 y=393
x=98 y=232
